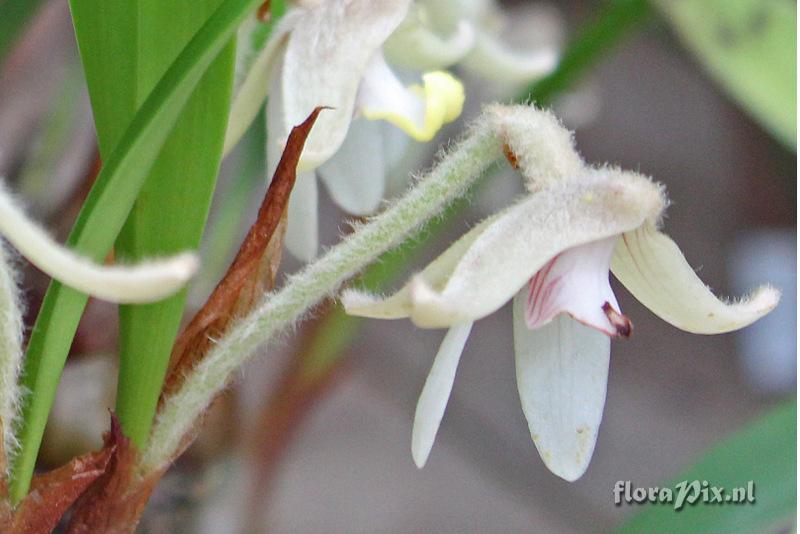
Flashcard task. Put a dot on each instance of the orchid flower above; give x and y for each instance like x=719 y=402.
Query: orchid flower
x=329 y=53
x=551 y=254
x=440 y=33
x=145 y=282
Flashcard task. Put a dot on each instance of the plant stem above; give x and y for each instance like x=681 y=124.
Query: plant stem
x=11 y=328
x=447 y=181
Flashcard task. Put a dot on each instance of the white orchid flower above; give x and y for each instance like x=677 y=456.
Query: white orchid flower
x=440 y=33
x=551 y=254
x=146 y=282
x=329 y=53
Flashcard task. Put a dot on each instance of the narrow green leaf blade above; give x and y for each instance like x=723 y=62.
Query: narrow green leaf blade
x=171 y=211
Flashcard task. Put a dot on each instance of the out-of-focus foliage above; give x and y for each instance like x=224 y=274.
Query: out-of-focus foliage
x=749 y=46
x=13 y=16
x=765 y=452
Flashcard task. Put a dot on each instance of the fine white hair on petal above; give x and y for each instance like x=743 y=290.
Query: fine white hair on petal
x=435 y=275
x=433 y=399
x=146 y=282
x=326 y=55
x=601 y=203
x=543 y=148
x=651 y=266
x=562 y=374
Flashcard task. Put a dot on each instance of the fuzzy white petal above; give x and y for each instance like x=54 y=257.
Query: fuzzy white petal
x=436 y=392
x=562 y=374
x=600 y=204
x=493 y=60
x=653 y=269
x=398 y=306
x=146 y=282
x=543 y=148
x=302 y=228
x=326 y=56
x=356 y=175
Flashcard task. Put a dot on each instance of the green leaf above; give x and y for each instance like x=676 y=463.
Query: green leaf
x=172 y=208
x=764 y=452
x=748 y=46
x=102 y=217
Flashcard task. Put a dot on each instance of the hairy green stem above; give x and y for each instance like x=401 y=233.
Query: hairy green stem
x=454 y=174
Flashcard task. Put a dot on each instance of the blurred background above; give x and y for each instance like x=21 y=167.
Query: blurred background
x=333 y=453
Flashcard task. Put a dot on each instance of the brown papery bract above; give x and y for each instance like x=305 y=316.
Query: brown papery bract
x=253 y=269
x=53 y=493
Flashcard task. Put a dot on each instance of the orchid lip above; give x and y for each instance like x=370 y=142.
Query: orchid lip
x=620 y=322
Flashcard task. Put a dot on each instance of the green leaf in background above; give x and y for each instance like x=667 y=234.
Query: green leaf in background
x=749 y=46
x=103 y=215
x=764 y=452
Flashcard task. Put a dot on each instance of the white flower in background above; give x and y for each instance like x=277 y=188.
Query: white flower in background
x=551 y=253
x=146 y=282
x=329 y=53
x=440 y=33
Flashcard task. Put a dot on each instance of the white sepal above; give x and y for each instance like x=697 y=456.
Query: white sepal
x=398 y=306
x=651 y=266
x=433 y=399
x=326 y=55
x=601 y=204
x=562 y=374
